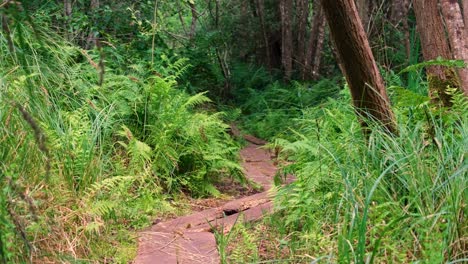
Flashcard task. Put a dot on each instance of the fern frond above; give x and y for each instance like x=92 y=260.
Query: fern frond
x=105 y=185
x=197 y=99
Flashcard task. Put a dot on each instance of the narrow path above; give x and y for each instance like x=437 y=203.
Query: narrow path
x=189 y=239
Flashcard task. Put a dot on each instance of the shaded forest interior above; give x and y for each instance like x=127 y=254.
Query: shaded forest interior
x=116 y=114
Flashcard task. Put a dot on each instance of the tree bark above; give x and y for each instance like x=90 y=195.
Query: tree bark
x=194 y=12
x=361 y=72
x=399 y=15
x=315 y=43
x=181 y=18
x=434 y=44
x=465 y=15
x=302 y=7
x=317 y=57
x=457 y=36
x=91 y=39
x=7 y=33
x=68 y=12
x=260 y=7
x=286 y=7
x=68 y=8
x=363 y=10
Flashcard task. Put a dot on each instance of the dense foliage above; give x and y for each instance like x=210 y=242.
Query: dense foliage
x=356 y=199
x=83 y=162
x=112 y=113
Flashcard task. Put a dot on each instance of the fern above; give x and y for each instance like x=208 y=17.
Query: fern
x=195 y=100
x=437 y=62
x=105 y=185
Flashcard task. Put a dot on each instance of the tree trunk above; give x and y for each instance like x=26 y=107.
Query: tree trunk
x=458 y=38
x=399 y=15
x=315 y=43
x=286 y=7
x=7 y=33
x=363 y=10
x=194 y=12
x=181 y=18
x=260 y=7
x=465 y=15
x=317 y=57
x=434 y=44
x=91 y=39
x=361 y=72
x=302 y=7
x=68 y=8
x=68 y=12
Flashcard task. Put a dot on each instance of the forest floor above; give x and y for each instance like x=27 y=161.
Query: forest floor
x=192 y=238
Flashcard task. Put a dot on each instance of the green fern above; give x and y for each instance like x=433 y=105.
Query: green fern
x=105 y=185
x=195 y=100
x=437 y=62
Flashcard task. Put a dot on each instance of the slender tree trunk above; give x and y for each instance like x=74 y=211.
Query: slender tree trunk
x=434 y=44
x=364 y=79
x=399 y=15
x=363 y=10
x=458 y=38
x=91 y=39
x=302 y=7
x=7 y=33
x=194 y=12
x=68 y=13
x=315 y=43
x=317 y=57
x=286 y=8
x=68 y=8
x=181 y=18
x=260 y=7
x=222 y=56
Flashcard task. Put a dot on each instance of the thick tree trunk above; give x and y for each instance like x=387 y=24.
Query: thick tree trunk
x=434 y=44
x=286 y=8
x=302 y=7
x=315 y=44
x=361 y=72
x=465 y=15
x=458 y=38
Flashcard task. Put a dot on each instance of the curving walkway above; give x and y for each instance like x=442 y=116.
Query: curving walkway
x=189 y=239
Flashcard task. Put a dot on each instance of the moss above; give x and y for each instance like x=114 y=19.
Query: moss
x=438 y=86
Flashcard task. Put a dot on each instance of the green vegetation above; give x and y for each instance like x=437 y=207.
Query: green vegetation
x=397 y=198
x=84 y=164
x=113 y=117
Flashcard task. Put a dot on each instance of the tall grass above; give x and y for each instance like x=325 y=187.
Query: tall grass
x=82 y=164
x=384 y=198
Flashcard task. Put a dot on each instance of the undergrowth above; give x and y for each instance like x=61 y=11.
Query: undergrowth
x=384 y=198
x=83 y=164
x=268 y=112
